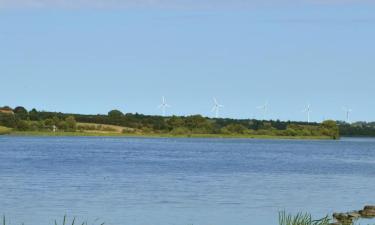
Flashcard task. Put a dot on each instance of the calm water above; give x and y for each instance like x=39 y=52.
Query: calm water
x=138 y=181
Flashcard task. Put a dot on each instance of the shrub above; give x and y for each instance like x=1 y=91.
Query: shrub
x=180 y=131
x=71 y=124
x=23 y=125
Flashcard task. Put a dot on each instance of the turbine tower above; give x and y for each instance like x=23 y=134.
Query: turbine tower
x=347 y=113
x=264 y=108
x=163 y=106
x=307 y=110
x=216 y=108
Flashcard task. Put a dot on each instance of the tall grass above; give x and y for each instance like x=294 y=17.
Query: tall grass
x=64 y=222
x=301 y=219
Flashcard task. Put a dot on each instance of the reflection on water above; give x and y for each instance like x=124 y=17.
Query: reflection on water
x=140 y=181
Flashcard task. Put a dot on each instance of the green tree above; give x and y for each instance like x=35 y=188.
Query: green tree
x=21 y=113
x=62 y=125
x=71 y=124
x=235 y=129
x=115 y=114
x=8 y=120
x=198 y=123
x=23 y=125
x=49 y=122
x=33 y=114
x=175 y=122
x=55 y=120
x=330 y=128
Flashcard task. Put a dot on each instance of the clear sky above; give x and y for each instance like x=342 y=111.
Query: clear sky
x=93 y=56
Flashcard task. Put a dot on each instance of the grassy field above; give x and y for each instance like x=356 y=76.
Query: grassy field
x=4 y=130
x=102 y=128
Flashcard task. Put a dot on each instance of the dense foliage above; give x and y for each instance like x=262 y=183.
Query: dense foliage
x=363 y=129
x=33 y=120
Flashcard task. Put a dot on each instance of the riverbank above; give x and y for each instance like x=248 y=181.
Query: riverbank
x=4 y=130
x=116 y=134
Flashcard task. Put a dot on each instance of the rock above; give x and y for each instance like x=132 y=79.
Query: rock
x=367 y=213
x=348 y=218
x=344 y=218
x=369 y=207
x=336 y=223
x=354 y=214
x=340 y=216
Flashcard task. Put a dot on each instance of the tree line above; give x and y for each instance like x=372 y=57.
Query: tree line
x=21 y=119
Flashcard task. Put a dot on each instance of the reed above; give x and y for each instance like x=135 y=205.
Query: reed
x=64 y=222
x=301 y=219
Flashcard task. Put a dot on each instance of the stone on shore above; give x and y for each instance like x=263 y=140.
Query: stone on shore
x=369 y=207
x=336 y=223
x=348 y=218
x=354 y=214
x=368 y=211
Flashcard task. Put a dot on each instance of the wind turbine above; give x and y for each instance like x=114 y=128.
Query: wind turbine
x=216 y=108
x=163 y=106
x=307 y=110
x=347 y=112
x=264 y=108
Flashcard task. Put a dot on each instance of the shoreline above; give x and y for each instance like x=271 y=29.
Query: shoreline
x=208 y=136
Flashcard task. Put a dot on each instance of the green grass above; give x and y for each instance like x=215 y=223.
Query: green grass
x=301 y=219
x=68 y=134
x=116 y=134
x=4 y=130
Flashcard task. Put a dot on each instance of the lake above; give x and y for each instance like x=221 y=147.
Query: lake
x=162 y=181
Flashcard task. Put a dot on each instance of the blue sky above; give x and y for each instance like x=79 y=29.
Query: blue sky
x=91 y=56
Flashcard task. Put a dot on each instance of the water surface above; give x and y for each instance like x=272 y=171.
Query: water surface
x=142 y=181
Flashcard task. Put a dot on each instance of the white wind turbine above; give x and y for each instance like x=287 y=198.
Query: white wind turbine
x=264 y=108
x=307 y=110
x=164 y=105
x=216 y=108
x=347 y=111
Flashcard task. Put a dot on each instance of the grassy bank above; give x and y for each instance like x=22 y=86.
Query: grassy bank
x=117 y=134
x=5 y=130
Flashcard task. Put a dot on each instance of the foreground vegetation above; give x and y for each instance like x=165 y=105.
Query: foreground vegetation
x=65 y=221
x=301 y=219
x=284 y=219
x=115 y=123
